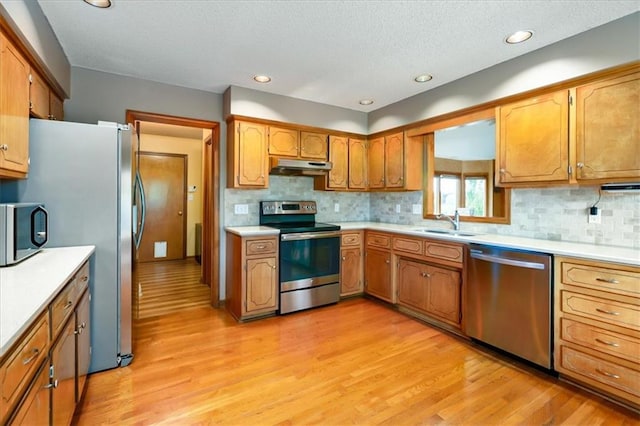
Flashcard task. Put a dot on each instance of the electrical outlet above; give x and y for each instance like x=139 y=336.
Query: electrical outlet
x=594 y=218
x=416 y=209
x=336 y=207
x=398 y=208
x=241 y=208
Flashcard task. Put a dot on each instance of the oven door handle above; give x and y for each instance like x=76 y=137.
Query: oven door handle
x=308 y=235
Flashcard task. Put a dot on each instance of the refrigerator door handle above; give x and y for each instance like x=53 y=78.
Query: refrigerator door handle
x=139 y=189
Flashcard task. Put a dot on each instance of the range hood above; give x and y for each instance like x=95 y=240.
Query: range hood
x=621 y=187
x=286 y=166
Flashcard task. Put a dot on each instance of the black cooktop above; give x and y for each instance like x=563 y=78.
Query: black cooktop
x=292 y=227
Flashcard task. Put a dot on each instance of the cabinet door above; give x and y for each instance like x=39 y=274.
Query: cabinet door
x=56 y=107
x=378 y=274
x=412 y=284
x=63 y=364
x=376 y=163
x=38 y=96
x=14 y=109
x=533 y=142
x=394 y=160
x=262 y=285
x=338 y=155
x=443 y=298
x=313 y=145
x=36 y=406
x=83 y=336
x=283 y=142
x=350 y=271
x=251 y=148
x=357 y=164
x=608 y=129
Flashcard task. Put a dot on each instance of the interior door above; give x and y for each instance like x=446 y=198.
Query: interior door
x=164 y=177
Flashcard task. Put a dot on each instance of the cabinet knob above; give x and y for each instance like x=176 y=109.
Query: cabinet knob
x=387 y=261
x=425 y=275
x=344 y=258
x=180 y=213
x=274 y=266
x=580 y=165
x=4 y=147
x=503 y=171
x=52 y=385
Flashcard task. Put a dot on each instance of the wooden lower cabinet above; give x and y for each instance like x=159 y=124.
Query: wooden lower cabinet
x=63 y=373
x=597 y=326
x=431 y=290
x=252 y=281
x=351 y=263
x=37 y=405
x=378 y=278
x=83 y=342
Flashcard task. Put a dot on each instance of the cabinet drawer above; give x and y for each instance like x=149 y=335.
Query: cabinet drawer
x=62 y=307
x=82 y=279
x=607 y=373
x=378 y=240
x=22 y=362
x=261 y=246
x=449 y=252
x=597 y=338
x=351 y=239
x=601 y=278
x=408 y=245
x=609 y=311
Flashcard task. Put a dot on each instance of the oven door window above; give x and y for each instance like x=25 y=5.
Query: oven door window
x=301 y=259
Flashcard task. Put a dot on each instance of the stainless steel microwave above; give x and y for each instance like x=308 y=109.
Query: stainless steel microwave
x=23 y=231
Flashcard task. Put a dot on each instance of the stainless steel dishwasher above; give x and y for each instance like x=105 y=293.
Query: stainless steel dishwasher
x=508 y=302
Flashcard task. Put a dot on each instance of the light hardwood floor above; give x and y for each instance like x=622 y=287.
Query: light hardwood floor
x=168 y=286
x=356 y=362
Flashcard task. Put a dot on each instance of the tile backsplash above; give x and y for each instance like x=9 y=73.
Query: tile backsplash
x=551 y=214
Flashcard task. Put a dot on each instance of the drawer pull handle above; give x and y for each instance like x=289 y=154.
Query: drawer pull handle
x=84 y=278
x=260 y=247
x=606 y=373
x=604 y=311
x=608 y=280
x=604 y=342
x=425 y=275
x=34 y=353
x=69 y=304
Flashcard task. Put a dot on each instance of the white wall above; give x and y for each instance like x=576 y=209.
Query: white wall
x=253 y=103
x=615 y=43
x=32 y=26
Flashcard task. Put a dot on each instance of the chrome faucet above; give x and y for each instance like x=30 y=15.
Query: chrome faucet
x=455 y=221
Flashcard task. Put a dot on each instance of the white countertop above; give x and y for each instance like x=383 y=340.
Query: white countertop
x=623 y=255
x=252 y=231
x=28 y=287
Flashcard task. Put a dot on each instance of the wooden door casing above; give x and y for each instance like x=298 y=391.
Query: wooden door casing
x=164 y=177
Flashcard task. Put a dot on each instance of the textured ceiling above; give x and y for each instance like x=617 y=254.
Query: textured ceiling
x=332 y=52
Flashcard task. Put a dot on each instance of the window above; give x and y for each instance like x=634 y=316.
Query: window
x=446 y=193
x=470 y=198
x=475 y=195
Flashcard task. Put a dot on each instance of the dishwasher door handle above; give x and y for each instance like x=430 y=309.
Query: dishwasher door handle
x=507 y=261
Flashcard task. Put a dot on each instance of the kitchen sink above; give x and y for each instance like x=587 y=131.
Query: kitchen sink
x=454 y=232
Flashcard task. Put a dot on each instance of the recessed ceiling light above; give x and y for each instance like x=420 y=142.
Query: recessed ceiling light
x=262 y=78
x=519 y=37
x=423 y=78
x=365 y=101
x=102 y=4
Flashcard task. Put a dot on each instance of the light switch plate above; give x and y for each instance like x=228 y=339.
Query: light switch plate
x=416 y=209
x=241 y=208
x=336 y=207
x=398 y=208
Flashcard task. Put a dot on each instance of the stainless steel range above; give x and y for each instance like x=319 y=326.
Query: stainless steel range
x=309 y=254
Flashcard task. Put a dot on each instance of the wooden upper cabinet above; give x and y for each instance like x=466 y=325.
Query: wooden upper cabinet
x=608 y=128
x=14 y=111
x=394 y=160
x=56 y=107
x=247 y=158
x=357 y=164
x=376 y=163
x=38 y=96
x=283 y=142
x=533 y=142
x=313 y=145
x=338 y=155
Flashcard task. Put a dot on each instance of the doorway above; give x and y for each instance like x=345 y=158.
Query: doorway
x=208 y=229
x=165 y=180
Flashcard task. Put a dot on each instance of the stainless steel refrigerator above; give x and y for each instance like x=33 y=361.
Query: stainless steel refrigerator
x=82 y=173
